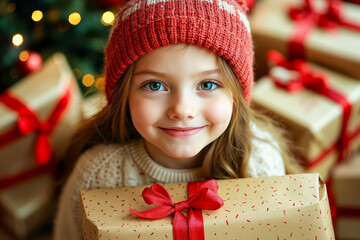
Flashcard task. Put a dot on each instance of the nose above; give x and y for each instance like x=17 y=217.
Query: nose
x=182 y=107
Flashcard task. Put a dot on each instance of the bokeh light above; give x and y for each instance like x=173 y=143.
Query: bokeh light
x=37 y=15
x=88 y=80
x=108 y=18
x=17 y=40
x=100 y=83
x=11 y=7
x=23 y=56
x=74 y=18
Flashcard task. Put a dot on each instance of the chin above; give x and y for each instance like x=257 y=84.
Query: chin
x=182 y=154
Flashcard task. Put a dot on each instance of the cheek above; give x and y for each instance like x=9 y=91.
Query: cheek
x=219 y=111
x=143 y=112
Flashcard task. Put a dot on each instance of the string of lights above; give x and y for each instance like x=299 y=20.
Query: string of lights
x=76 y=25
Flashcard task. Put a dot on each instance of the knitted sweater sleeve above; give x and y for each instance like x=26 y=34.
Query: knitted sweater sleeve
x=265 y=159
x=87 y=174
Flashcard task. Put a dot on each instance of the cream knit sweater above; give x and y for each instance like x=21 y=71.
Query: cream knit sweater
x=109 y=166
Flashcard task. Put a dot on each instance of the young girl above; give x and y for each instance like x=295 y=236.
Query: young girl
x=178 y=79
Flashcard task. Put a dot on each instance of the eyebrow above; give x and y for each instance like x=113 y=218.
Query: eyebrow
x=160 y=74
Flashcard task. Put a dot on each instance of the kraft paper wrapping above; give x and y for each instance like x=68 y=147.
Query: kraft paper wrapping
x=292 y=206
x=27 y=206
x=41 y=92
x=312 y=120
x=272 y=29
x=346 y=188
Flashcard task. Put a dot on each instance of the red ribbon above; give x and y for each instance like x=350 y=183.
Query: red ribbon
x=348 y=212
x=354 y=1
x=307 y=18
x=28 y=174
x=202 y=195
x=307 y=77
x=28 y=122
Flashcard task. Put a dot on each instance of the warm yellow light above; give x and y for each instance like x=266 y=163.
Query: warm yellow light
x=100 y=83
x=88 y=80
x=24 y=55
x=17 y=40
x=108 y=18
x=11 y=7
x=37 y=15
x=74 y=18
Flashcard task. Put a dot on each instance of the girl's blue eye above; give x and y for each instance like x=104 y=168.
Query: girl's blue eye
x=208 y=86
x=154 y=86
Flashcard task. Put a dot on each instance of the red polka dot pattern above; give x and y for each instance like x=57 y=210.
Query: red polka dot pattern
x=287 y=207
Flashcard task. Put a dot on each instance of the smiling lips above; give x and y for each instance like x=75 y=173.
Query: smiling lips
x=181 y=132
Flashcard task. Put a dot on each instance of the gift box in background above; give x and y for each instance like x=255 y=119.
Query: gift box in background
x=314 y=122
x=250 y=4
x=346 y=190
x=337 y=48
x=53 y=100
x=292 y=206
x=37 y=117
x=27 y=206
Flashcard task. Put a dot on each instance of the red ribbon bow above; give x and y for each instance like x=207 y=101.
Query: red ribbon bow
x=28 y=122
x=305 y=76
x=329 y=19
x=201 y=196
x=317 y=81
x=307 y=18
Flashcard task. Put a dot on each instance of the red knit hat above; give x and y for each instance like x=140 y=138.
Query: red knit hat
x=144 y=25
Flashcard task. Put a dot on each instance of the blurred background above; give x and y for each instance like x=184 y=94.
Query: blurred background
x=32 y=31
x=51 y=67
x=45 y=45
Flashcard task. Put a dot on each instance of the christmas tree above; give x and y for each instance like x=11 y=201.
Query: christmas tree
x=31 y=31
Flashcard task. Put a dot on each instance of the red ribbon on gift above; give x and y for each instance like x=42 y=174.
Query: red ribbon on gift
x=28 y=122
x=354 y=1
x=307 y=77
x=202 y=195
x=307 y=18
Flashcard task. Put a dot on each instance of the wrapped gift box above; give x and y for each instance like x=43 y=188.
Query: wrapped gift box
x=346 y=189
x=27 y=206
x=24 y=183
x=4 y=235
x=292 y=206
x=312 y=120
x=40 y=92
x=272 y=28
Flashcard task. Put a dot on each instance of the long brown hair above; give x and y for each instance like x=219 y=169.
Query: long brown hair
x=226 y=157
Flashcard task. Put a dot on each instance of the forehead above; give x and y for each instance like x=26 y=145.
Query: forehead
x=178 y=57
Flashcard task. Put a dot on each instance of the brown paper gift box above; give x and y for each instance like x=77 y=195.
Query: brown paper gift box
x=346 y=189
x=312 y=120
x=272 y=29
x=291 y=206
x=25 y=202
x=40 y=92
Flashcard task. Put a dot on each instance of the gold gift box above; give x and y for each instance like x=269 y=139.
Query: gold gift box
x=346 y=189
x=291 y=206
x=272 y=28
x=313 y=121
